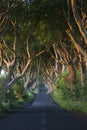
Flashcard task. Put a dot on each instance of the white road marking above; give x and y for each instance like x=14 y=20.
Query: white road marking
x=43 y=121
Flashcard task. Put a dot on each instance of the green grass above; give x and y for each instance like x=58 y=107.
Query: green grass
x=69 y=104
x=71 y=97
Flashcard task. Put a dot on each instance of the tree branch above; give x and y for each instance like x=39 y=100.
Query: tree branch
x=78 y=20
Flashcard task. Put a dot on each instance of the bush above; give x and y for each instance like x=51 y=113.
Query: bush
x=2 y=89
x=71 y=97
x=75 y=91
x=16 y=96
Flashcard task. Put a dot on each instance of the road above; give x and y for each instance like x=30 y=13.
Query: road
x=43 y=114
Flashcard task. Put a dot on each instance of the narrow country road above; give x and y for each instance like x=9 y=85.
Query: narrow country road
x=43 y=114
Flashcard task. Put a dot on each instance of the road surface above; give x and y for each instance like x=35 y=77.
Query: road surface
x=43 y=114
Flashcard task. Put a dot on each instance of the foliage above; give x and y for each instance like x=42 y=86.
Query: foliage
x=71 y=97
x=75 y=92
x=2 y=88
x=68 y=103
x=16 y=96
x=18 y=89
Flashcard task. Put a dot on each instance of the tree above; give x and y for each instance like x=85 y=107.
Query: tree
x=9 y=49
x=79 y=42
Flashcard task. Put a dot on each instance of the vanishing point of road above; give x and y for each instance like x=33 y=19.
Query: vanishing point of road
x=43 y=114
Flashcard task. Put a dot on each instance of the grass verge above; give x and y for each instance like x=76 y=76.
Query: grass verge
x=68 y=104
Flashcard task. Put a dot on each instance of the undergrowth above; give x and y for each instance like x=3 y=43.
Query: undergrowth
x=70 y=97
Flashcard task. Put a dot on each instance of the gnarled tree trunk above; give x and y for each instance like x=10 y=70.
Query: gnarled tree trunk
x=83 y=71
x=72 y=74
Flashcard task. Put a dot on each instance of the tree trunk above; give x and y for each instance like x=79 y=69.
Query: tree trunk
x=78 y=20
x=83 y=73
x=56 y=59
x=83 y=70
x=63 y=68
x=72 y=74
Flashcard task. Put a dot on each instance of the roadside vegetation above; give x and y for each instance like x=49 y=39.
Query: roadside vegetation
x=14 y=97
x=70 y=97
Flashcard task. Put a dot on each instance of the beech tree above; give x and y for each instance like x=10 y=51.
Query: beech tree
x=28 y=28
x=11 y=44
x=80 y=18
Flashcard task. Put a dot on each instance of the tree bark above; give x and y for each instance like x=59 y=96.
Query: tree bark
x=1 y=57
x=78 y=20
x=72 y=74
x=56 y=59
x=63 y=68
x=83 y=71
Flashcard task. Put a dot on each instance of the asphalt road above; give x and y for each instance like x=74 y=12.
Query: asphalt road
x=43 y=114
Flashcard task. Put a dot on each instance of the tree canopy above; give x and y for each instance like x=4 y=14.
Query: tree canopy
x=43 y=39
